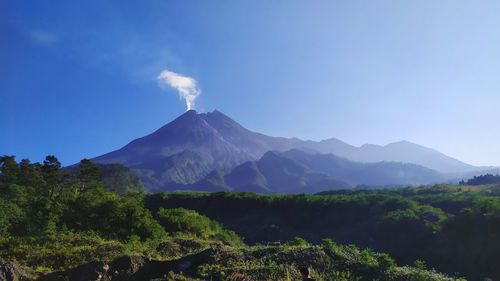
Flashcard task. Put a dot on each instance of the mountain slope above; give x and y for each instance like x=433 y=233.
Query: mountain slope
x=402 y=151
x=188 y=148
x=296 y=171
x=273 y=173
x=375 y=174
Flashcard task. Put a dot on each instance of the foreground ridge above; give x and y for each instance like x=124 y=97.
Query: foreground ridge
x=330 y=262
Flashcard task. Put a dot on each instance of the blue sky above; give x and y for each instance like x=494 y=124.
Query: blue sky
x=78 y=78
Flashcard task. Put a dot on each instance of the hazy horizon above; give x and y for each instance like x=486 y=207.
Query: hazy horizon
x=84 y=78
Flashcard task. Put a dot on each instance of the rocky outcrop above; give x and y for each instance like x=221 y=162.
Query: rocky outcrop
x=251 y=263
x=132 y=269
x=13 y=272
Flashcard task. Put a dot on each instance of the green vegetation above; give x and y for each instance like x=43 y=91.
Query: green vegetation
x=180 y=222
x=115 y=177
x=327 y=261
x=53 y=220
x=39 y=199
x=482 y=180
x=454 y=229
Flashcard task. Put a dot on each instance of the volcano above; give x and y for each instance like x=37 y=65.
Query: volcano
x=188 y=148
x=185 y=151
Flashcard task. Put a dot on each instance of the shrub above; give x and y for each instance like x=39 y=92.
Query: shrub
x=297 y=241
x=178 y=221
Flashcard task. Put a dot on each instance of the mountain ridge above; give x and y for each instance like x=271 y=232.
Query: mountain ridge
x=297 y=171
x=214 y=140
x=187 y=149
x=400 y=151
x=272 y=173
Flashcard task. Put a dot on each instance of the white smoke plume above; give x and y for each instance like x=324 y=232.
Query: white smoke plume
x=186 y=86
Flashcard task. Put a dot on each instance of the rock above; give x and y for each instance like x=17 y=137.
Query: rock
x=430 y=216
x=123 y=268
x=190 y=262
x=13 y=272
x=187 y=265
x=131 y=269
x=54 y=276
x=94 y=271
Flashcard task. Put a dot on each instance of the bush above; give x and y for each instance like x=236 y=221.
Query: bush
x=112 y=216
x=11 y=217
x=59 y=251
x=298 y=241
x=179 y=221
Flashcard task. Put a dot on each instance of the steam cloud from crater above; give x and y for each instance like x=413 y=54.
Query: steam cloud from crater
x=185 y=85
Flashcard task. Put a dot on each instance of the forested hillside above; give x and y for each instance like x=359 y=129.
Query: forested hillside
x=482 y=179
x=60 y=226
x=454 y=229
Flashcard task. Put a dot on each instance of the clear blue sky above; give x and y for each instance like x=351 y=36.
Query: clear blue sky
x=77 y=78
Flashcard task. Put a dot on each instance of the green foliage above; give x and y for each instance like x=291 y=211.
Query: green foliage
x=9 y=170
x=89 y=177
x=409 y=230
x=385 y=261
x=469 y=241
x=59 y=250
x=40 y=199
x=482 y=179
x=420 y=264
x=114 y=177
x=112 y=216
x=454 y=229
x=51 y=219
x=325 y=263
x=11 y=217
x=188 y=222
x=120 y=179
x=298 y=241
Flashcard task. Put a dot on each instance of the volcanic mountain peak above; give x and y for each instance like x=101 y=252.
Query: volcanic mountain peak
x=192 y=120
x=217 y=140
x=194 y=144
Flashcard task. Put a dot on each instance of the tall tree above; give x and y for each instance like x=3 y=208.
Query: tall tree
x=8 y=170
x=52 y=175
x=90 y=177
x=30 y=174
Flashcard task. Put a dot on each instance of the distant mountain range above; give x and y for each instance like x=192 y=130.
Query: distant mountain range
x=210 y=151
x=296 y=171
x=402 y=151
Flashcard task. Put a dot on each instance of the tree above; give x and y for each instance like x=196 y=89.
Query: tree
x=8 y=170
x=297 y=241
x=89 y=177
x=52 y=175
x=30 y=174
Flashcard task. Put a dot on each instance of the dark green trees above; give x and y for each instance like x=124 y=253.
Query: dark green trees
x=89 y=176
x=44 y=198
